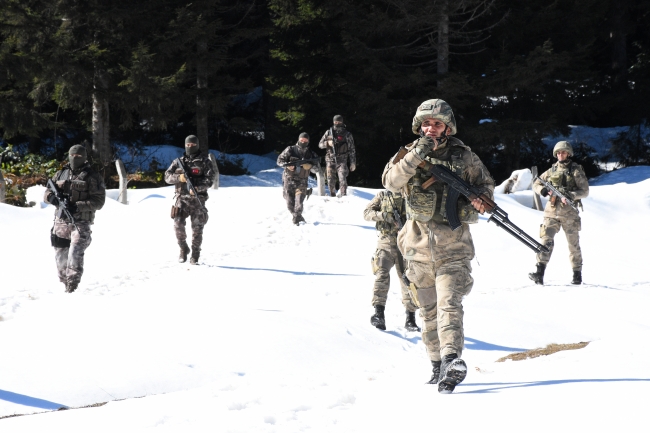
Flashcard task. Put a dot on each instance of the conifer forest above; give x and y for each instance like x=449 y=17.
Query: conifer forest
x=248 y=76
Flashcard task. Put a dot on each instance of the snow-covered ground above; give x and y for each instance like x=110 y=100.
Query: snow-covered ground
x=271 y=332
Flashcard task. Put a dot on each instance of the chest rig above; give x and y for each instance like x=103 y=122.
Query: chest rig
x=389 y=202
x=340 y=140
x=426 y=201
x=563 y=179
x=74 y=186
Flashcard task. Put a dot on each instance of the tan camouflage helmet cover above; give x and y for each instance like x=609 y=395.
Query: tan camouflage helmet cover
x=562 y=145
x=434 y=109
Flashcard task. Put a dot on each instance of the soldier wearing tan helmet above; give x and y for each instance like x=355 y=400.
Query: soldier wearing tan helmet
x=437 y=257
x=570 y=179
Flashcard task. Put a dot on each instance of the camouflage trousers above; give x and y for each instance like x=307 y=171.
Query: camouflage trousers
x=440 y=292
x=294 y=193
x=571 y=226
x=198 y=217
x=337 y=169
x=383 y=261
x=70 y=260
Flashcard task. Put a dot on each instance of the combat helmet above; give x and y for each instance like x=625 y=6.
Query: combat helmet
x=562 y=145
x=434 y=109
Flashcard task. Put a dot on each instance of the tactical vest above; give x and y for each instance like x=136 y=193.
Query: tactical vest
x=76 y=189
x=195 y=170
x=387 y=202
x=563 y=179
x=339 y=138
x=429 y=204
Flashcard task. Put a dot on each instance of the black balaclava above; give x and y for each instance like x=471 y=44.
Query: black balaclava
x=300 y=143
x=191 y=150
x=77 y=161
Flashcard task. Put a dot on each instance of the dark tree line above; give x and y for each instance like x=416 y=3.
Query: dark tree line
x=250 y=75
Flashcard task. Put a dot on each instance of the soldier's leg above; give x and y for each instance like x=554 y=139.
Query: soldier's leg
x=343 y=171
x=299 y=198
x=422 y=275
x=199 y=219
x=331 y=177
x=62 y=230
x=179 y=226
x=289 y=193
x=453 y=282
x=547 y=231
x=407 y=301
x=382 y=264
x=80 y=239
x=572 y=231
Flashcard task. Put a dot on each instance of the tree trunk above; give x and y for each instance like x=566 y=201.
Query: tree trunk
x=101 y=126
x=201 y=95
x=443 y=42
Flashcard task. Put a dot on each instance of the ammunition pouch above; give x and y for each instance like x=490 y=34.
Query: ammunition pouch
x=58 y=242
x=176 y=211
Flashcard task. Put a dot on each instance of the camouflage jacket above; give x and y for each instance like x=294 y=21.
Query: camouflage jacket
x=341 y=141
x=84 y=187
x=425 y=236
x=379 y=207
x=201 y=174
x=296 y=153
x=570 y=179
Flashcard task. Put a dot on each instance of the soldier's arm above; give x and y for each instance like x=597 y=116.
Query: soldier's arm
x=47 y=196
x=372 y=210
x=170 y=175
x=539 y=186
x=478 y=175
x=323 y=141
x=352 y=153
x=397 y=175
x=581 y=182
x=284 y=157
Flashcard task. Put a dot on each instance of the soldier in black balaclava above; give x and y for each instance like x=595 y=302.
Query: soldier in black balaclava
x=198 y=170
x=82 y=192
x=340 y=148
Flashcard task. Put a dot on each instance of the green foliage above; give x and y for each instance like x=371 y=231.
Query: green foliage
x=232 y=166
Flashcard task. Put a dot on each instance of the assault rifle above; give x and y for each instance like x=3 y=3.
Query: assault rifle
x=458 y=186
x=299 y=162
x=63 y=203
x=333 y=143
x=556 y=193
x=188 y=182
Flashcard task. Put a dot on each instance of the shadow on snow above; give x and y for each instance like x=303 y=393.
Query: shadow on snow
x=26 y=400
x=238 y=268
x=494 y=387
x=473 y=344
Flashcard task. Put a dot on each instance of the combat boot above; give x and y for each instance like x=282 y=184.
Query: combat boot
x=538 y=277
x=332 y=193
x=185 y=250
x=297 y=219
x=577 y=277
x=410 y=324
x=194 y=260
x=452 y=372
x=435 y=377
x=378 y=320
x=71 y=287
x=343 y=191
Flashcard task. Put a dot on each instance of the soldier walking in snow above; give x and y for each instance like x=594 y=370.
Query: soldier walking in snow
x=297 y=160
x=192 y=174
x=79 y=192
x=438 y=258
x=570 y=180
x=340 y=148
x=383 y=209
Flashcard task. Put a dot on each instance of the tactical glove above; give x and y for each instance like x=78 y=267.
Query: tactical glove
x=544 y=192
x=182 y=178
x=353 y=166
x=306 y=166
x=53 y=200
x=424 y=146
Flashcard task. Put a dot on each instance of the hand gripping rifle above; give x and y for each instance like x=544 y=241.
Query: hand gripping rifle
x=556 y=193
x=188 y=182
x=299 y=162
x=63 y=203
x=458 y=186
x=396 y=214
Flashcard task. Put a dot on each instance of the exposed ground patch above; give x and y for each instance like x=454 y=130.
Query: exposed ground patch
x=548 y=350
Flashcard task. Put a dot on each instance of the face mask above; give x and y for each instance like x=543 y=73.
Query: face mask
x=303 y=145
x=191 y=150
x=76 y=162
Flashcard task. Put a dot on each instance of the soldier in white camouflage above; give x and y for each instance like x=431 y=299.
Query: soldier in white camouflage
x=198 y=169
x=438 y=258
x=569 y=178
x=340 y=149
x=295 y=177
x=383 y=209
x=83 y=193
